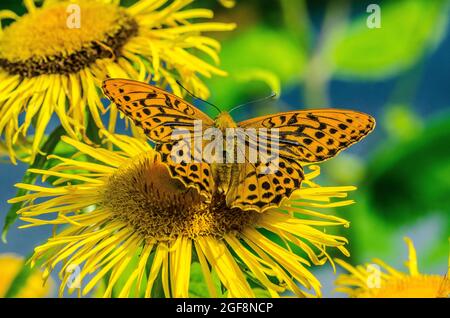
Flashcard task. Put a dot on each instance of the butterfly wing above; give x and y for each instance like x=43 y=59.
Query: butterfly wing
x=158 y=112
x=258 y=191
x=163 y=116
x=315 y=135
x=191 y=174
x=304 y=136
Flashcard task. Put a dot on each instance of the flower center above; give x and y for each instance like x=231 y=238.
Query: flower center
x=59 y=40
x=423 y=286
x=159 y=207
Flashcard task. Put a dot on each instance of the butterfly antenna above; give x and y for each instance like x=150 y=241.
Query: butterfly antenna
x=200 y=99
x=272 y=96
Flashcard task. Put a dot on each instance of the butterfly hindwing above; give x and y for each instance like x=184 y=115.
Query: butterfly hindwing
x=303 y=136
x=315 y=135
x=260 y=189
x=158 y=112
x=193 y=174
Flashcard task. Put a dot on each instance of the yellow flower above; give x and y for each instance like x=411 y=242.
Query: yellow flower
x=34 y=287
x=369 y=281
x=121 y=209
x=54 y=59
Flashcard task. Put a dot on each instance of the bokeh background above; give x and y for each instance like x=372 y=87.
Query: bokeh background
x=322 y=54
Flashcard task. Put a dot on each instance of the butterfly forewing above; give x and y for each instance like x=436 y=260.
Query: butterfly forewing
x=158 y=112
x=163 y=117
x=315 y=135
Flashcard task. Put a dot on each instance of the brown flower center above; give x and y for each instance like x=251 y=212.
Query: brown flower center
x=144 y=195
x=56 y=40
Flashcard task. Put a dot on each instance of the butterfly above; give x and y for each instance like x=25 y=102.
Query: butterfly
x=305 y=136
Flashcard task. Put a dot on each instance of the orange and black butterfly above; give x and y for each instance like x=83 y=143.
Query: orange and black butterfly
x=306 y=136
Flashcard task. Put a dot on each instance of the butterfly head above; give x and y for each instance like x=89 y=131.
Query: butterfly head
x=224 y=121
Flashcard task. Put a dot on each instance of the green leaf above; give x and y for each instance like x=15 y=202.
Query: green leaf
x=363 y=244
x=29 y=178
x=411 y=178
x=402 y=123
x=337 y=170
x=409 y=30
x=265 y=50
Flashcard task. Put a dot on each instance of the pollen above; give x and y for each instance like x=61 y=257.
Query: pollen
x=46 y=42
x=161 y=208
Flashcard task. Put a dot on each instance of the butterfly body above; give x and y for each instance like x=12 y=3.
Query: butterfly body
x=224 y=121
x=304 y=137
x=225 y=174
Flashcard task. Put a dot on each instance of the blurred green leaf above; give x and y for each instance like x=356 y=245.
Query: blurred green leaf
x=409 y=29
x=372 y=235
x=262 y=47
x=437 y=253
x=345 y=169
x=369 y=235
x=271 y=51
x=41 y=159
x=402 y=123
x=412 y=177
x=267 y=77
